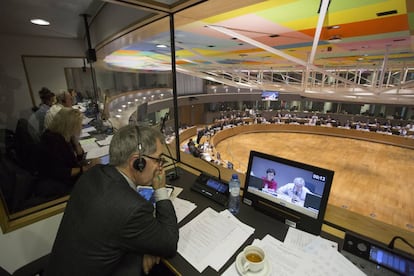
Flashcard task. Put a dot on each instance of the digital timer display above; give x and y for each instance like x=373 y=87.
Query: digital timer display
x=319 y=177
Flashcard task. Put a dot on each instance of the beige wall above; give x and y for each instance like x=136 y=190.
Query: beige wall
x=33 y=241
x=15 y=101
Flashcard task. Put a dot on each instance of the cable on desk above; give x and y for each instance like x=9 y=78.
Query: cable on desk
x=391 y=244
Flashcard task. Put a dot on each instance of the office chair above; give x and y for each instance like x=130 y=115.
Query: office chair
x=26 y=145
x=34 y=268
x=3 y=272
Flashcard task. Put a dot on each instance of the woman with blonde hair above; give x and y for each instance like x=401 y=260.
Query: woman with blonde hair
x=61 y=155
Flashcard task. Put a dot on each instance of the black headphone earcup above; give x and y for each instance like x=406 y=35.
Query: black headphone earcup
x=139 y=164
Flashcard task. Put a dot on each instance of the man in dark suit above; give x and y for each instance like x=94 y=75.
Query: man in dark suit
x=107 y=227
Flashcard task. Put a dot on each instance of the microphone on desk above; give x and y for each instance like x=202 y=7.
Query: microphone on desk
x=172 y=175
x=163 y=120
x=219 y=173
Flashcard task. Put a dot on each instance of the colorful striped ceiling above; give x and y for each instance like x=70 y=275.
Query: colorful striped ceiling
x=288 y=26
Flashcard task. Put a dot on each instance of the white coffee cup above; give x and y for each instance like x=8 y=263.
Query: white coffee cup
x=252 y=259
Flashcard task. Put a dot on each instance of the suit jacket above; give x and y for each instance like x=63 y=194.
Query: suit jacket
x=107 y=227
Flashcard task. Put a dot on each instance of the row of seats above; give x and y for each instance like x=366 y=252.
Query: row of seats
x=19 y=178
x=34 y=268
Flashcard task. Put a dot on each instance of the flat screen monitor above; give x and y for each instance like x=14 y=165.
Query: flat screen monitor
x=270 y=95
x=293 y=192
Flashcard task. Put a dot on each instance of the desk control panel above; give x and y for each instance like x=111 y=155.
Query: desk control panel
x=212 y=188
x=374 y=258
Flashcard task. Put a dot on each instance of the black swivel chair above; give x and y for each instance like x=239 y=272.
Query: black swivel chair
x=3 y=272
x=34 y=268
x=27 y=145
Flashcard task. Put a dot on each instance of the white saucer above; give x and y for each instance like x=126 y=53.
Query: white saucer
x=264 y=272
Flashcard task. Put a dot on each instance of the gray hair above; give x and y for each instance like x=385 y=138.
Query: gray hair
x=125 y=141
x=64 y=98
x=299 y=181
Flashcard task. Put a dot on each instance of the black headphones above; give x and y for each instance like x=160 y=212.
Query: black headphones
x=140 y=162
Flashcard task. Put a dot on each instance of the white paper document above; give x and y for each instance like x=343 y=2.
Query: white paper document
x=105 y=141
x=84 y=135
x=211 y=238
x=302 y=255
x=298 y=238
x=97 y=152
x=182 y=207
x=86 y=120
x=88 y=129
x=89 y=144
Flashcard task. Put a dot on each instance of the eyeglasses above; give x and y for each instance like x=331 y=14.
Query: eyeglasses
x=161 y=161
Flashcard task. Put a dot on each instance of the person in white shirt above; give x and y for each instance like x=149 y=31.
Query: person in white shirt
x=37 y=119
x=296 y=190
x=64 y=99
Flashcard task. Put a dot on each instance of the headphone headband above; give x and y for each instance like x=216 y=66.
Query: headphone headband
x=140 y=162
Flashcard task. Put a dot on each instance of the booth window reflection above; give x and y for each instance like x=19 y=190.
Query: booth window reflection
x=19 y=203
x=141 y=103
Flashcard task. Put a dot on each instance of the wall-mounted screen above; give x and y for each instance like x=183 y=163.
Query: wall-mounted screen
x=270 y=95
x=293 y=192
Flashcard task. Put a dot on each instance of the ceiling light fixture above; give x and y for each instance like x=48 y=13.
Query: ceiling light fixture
x=161 y=46
x=335 y=39
x=333 y=27
x=386 y=13
x=40 y=22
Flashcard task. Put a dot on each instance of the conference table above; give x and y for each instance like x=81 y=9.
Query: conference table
x=370 y=136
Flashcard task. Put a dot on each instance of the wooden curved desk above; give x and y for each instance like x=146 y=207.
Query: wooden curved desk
x=394 y=140
x=337 y=219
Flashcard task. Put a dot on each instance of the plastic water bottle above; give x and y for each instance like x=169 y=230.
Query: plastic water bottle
x=234 y=197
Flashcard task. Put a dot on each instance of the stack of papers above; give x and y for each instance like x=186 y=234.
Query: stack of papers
x=105 y=141
x=95 y=152
x=86 y=120
x=182 y=207
x=88 y=144
x=85 y=132
x=94 y=148
x=302 y=254
x=211 y=238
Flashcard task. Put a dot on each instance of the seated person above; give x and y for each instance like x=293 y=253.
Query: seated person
x=269 y=183
x=61 y=155
x=190 y=143
x=37 y=119
x=296 y=190
x=107 y=227
x=193 y=149
x=64 y=99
